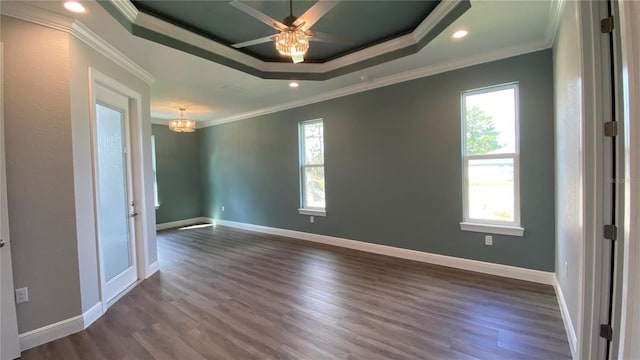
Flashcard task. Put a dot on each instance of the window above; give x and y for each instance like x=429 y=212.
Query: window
x=155 y=177
x=312 y=189
x=490 y=139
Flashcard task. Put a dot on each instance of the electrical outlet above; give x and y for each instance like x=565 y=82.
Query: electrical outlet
x=311 y=219
x=566 y=268
x=222 y=208
x=488 y=240
x=22 y=295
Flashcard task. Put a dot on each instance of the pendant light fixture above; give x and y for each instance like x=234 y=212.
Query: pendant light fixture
x=182 y=124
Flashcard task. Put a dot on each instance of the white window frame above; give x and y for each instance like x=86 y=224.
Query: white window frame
x=483 y=225
x=308 y=210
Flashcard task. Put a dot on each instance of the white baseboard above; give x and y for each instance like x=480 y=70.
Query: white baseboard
x=92 y=314
x=513 y=272
x=60 y=329
x=51 y=332
x=566 y=318
x=153 y=268
x=179 y=223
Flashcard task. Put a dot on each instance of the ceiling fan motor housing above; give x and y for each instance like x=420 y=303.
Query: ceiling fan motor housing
x=289 y=20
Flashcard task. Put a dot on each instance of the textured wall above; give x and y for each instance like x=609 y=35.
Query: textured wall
x=392 y=166
x=40 y=172
x=49 y=169
x=178 y=173
x=569 y=158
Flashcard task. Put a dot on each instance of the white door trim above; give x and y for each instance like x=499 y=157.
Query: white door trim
x=96 y=78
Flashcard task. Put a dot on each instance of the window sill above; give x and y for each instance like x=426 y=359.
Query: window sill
x=312 y=212
x=492 y=229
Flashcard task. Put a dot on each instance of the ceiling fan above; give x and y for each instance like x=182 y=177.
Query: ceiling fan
x=294 y=32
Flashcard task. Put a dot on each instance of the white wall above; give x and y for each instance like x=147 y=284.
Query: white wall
x=40 y=172
x=569 y=161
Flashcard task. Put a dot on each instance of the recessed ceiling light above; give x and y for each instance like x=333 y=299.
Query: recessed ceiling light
x=74 y=6
x=293 y=84
x=460 y=34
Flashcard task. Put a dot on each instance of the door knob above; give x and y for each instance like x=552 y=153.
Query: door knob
x=1 y=243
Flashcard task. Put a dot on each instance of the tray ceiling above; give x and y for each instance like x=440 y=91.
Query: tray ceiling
x=372 y=32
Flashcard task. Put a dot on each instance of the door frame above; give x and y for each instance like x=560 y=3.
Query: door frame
x=96 y=78
x=593 y=109
x=629 y=326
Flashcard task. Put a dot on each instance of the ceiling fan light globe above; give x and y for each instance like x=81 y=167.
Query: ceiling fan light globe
x=297 y=58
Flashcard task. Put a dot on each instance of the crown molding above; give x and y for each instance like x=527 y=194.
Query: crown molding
x=556 y=8
x=75 y=28
x=439 y=13
x=417 y=73
x=97 y=43
x=36 y=15
x=166 y=33
x=127 y=9
x=180 y=34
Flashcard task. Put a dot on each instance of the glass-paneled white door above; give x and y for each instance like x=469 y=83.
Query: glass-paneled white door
x=115 y=208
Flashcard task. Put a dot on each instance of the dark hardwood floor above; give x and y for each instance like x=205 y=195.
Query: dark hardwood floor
x=228 y=294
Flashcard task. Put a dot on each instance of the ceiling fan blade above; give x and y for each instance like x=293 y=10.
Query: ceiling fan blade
x=315 y=12
x=258 y=15
x=261 y=40
x=324 y=37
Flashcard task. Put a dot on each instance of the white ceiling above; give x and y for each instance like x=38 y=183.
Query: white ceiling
x=213 y=93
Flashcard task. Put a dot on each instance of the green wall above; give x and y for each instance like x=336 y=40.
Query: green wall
x=178 y=174
x=392 y=166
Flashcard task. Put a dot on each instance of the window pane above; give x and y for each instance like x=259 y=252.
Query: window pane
x=314 y=187
x=155 y=176
x=491 y=191
x=491 y=122
x=313 y=143
x=112 y=193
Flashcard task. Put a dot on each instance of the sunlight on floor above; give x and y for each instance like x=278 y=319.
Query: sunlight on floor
x=197 y=226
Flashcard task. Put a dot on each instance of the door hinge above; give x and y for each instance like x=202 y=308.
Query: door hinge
x=611 y=232
x=606 y=331
x=606 y=25
x=611 y=128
